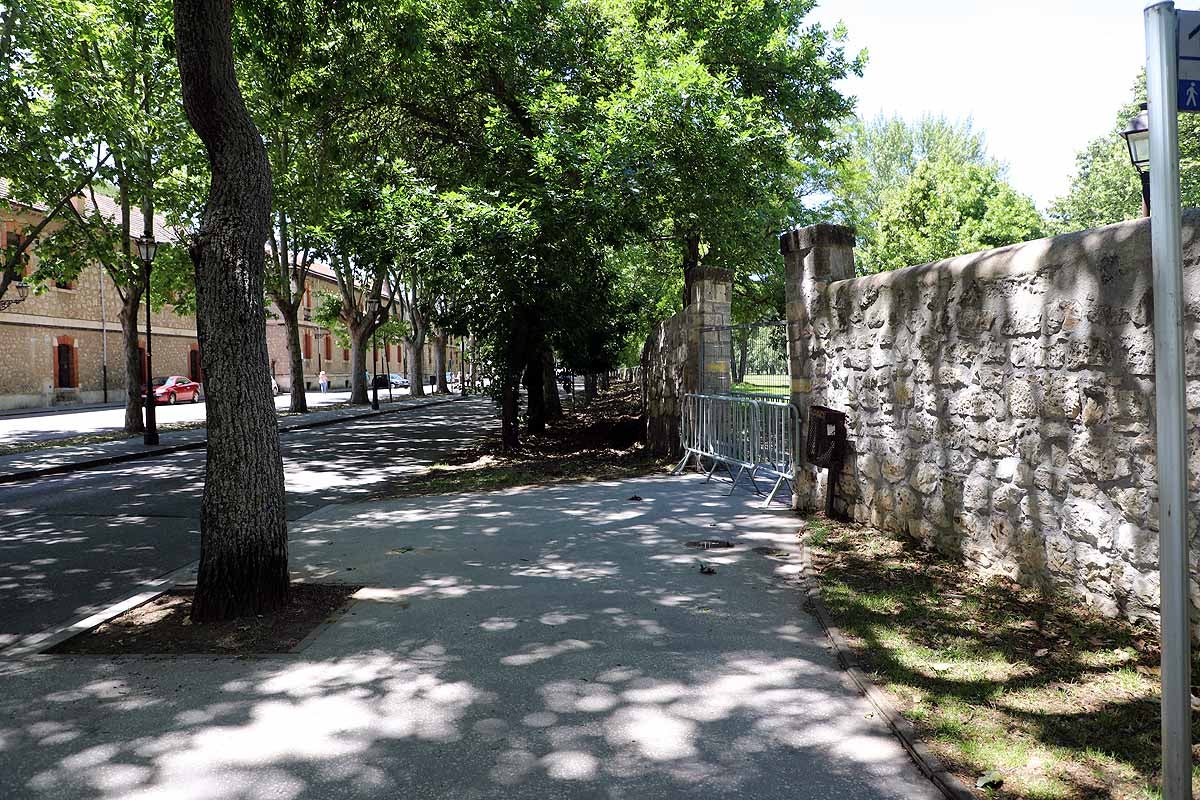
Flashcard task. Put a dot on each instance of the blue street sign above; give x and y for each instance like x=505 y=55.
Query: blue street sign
x=1188 y=43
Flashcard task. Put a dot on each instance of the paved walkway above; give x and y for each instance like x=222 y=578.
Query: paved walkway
x=544 y=643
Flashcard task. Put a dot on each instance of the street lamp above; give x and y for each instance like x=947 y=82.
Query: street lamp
x=147 y=247
x=373 y=310
x=22 y=295
x=1137 y=139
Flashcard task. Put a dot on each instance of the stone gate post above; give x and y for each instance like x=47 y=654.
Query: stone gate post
x=814 y=257
x=671 y=357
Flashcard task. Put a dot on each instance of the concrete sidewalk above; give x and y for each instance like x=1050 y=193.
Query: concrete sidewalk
x=56 y=460
x=556 y=642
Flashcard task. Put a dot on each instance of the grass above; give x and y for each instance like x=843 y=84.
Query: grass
x=995 y=676
x=601 y=441
x=774 y=385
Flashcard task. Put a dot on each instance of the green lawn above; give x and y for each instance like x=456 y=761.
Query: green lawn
x=776 y=385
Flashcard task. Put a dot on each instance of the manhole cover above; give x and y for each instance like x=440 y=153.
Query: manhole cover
x=711 y=544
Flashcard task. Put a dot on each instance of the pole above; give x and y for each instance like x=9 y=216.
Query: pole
x=150 y=437
x=1169 y=399
x=1146 y=191
x=375 y=370
x=103 y=336
x=462 y=366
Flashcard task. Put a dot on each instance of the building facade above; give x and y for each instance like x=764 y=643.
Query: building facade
x=63 y=345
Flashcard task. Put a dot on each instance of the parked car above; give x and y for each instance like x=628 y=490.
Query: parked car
x=393 y=380
x=174 y=389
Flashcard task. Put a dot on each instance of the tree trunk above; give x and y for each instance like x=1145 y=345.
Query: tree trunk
x=359 y=344
x=590 y=385
x=554 y=408
x=243 y=517
x=536 y=400
x=742 y=338
x=134 y=422
x=510 y=409
x=291 y=322
x=415 y=345
x=691 y=260
x=439 y=361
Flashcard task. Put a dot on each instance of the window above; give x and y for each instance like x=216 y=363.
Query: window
x=328 y=347
x=345 y=354
x=307 y=297
x=307 y=345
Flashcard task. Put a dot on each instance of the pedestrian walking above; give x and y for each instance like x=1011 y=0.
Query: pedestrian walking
x=323 y=379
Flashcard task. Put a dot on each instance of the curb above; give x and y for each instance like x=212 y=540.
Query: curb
x=36 y=643
x=104 y=461
x=929 y=764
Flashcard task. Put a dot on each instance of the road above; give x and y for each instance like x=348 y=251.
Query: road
x=44 y=425
x=73 y=543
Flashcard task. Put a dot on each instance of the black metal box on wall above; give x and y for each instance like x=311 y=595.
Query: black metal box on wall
x=825 y=444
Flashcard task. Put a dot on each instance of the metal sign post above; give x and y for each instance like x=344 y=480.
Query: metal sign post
x=1165 y=31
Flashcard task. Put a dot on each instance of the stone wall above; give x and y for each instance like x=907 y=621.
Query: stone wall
x=1000 y=404
x=671 y=360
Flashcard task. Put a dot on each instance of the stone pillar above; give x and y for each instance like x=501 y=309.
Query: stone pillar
x=708 y=362
x=671 y=357
x=814 y=257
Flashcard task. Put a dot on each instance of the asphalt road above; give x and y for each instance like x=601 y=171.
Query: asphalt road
x=44 y=425
x=72 y=544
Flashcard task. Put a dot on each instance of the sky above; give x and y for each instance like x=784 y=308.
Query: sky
x=1038 y=79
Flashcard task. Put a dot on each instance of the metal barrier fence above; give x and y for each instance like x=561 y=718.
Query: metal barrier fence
x=758 y=436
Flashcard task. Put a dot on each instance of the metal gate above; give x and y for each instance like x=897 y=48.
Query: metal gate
x=742 y=417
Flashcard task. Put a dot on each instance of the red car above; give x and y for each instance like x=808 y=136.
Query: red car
x=175 y=389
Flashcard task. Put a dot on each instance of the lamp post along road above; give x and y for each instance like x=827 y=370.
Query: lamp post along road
x=147 y=247
x=22 y=294
x=1137 y=139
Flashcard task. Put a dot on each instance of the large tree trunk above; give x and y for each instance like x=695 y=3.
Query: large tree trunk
x=510 y=408
x=550 y=386
x=243 y=518
x=133 y=360
x=536 y=400
x=298 y=398
x=359 y=345
x=415 y=345
x=439 y=363
x=591 y=384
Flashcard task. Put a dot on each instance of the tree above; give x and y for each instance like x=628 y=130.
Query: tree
x=1105 y=187
x=947 y=208
x=918 y=192
x=243 y=519
x=97 y=98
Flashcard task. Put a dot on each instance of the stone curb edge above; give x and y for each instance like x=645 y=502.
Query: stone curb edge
x=104 y=461
x=36 y=643
x=929 y=764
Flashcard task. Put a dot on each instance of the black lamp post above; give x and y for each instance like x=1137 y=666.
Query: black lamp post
x=1137 y=139
x=373 y=310
x=22 y=294
x=147 y=247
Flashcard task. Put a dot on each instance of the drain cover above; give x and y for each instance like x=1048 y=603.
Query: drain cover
x=711 y=544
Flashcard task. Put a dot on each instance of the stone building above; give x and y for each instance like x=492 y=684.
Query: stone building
x=63 y=344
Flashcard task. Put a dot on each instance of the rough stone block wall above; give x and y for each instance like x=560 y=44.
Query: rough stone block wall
x=1001 y=404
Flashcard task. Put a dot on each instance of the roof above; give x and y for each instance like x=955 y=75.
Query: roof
x=108 y=208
